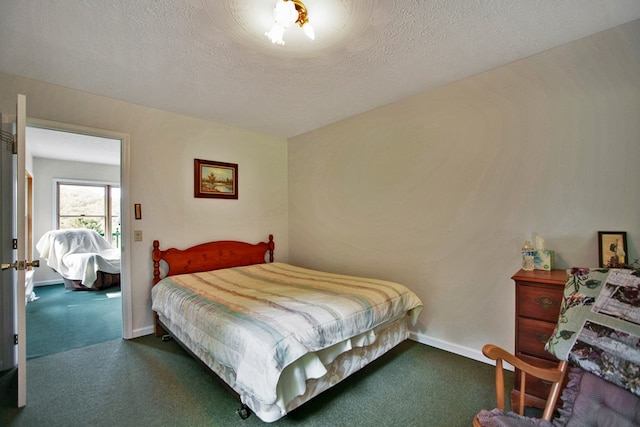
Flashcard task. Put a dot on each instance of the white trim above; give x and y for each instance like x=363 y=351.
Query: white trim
x=125 y=211
x=454 y=348
x=125 y=224
x=141 y=332
x=86 y=181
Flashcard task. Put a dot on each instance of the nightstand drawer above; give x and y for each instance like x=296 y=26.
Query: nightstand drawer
x=539 y=302
x=533 y=335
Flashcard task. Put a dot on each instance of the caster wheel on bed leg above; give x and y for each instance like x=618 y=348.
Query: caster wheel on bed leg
x=244 y=412
x=166 y=337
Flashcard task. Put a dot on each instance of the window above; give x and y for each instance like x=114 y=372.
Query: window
x=89 y=205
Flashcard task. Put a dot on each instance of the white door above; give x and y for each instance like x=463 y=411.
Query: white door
x=13 y=231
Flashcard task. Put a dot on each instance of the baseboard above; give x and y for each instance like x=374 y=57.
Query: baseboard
x=147 y=330
x=454 y=348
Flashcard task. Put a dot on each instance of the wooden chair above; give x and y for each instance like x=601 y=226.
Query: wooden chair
x=552 y=375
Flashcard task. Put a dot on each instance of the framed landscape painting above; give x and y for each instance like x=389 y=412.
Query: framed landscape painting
x=215 y=180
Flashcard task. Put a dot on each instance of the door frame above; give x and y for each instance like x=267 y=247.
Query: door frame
x=125 y=211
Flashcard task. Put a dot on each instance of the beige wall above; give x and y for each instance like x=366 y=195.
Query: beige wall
x=440 y=191
x=162 y=148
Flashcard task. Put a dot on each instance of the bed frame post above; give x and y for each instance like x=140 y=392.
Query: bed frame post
x=156 y=255
x=271 y=247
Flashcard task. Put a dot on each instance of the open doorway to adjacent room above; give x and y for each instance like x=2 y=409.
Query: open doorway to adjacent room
x=75 y=184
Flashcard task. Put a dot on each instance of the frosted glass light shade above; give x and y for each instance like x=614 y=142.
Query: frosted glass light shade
x=308 y=30
x=276 y=33
x=284 y=15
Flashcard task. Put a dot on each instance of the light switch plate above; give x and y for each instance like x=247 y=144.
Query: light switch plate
x=137 y=235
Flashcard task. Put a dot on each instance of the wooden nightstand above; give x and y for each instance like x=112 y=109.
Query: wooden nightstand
x=538 y=299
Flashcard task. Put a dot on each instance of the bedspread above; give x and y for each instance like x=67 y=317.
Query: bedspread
x=259 y=319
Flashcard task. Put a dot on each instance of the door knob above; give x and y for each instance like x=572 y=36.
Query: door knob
x=6 y=266
x=21 y=265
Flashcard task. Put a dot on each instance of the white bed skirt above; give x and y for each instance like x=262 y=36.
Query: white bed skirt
x=311 y=374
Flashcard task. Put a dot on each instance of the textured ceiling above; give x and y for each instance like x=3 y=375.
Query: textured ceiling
x=210 y=59
x=73 y=147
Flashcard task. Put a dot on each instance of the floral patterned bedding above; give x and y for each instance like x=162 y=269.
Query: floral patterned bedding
x=599 y=325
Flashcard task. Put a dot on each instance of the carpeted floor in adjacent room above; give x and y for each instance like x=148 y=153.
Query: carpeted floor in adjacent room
x=61 y=320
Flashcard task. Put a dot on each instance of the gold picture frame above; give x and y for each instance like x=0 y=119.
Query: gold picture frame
x=215 y=180
x=612 y=248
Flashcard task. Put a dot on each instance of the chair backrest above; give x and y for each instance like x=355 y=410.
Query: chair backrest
x=553 y=375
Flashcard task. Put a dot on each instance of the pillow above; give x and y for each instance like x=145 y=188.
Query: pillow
x=599 y=325
x=588 y=400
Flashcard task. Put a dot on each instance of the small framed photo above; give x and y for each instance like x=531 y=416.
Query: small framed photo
x=216 y=180
x=612 y=247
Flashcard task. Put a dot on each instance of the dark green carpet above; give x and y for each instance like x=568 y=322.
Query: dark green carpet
x=147 y=382
x=61 y=320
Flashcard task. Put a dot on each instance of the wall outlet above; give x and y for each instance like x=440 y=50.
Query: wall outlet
x=137 y=235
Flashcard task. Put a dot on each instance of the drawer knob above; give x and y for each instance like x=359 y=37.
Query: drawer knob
x=545 y=302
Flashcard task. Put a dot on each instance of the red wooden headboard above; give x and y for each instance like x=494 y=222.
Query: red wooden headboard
x=210 y=256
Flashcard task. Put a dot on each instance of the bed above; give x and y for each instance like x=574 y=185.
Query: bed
x=275 y=334
x=84 y=259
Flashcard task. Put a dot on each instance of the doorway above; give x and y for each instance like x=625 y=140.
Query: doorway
x=78 y=158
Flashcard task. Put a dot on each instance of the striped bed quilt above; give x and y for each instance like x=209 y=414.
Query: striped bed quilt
x=261 y=318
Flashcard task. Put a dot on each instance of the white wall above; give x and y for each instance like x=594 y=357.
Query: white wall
x=440 y=191
x=44 y=172
x=163 y=146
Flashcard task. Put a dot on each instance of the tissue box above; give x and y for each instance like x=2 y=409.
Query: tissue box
x=543 y=260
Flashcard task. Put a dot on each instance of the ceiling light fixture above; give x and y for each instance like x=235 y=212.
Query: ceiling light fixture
x=286 y=13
